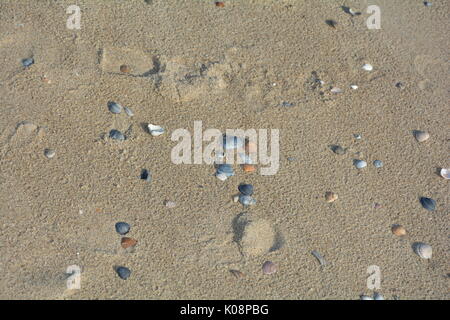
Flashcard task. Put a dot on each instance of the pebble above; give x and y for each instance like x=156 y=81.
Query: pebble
x=398 y=230
x=146 y=175
x=122 y=228
x=49 y=153
x=269 y=267
x=128 y=111
x=421 y=136
x=116 y=135
x=246 y=200
x=367 y=67
x=330 y=197
x=338 y=150
x=360 y=164
x=428 y=203
x=114 y=107
x=27 y=62
x=246 y=189
x=126 y=242
x=123 y=272
x=378 y=163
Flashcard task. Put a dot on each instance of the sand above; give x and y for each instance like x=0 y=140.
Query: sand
x=229 y=67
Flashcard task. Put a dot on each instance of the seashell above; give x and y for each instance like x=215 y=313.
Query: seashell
x=378 y=163
x=427 y=4
x=423 y=250
x=124 y=68
x=221 y=176
x=155 y=130
x=354 y=86
x=237 y=274
x=225 y=169
x=27 y=62
x=236 y=198
x=338 y=150
x=232 y=142
x=248 y=168
x=116 y=135
x=445 y=173
x=377 y=296
x=220 y=4
x=330 y=196
x=126 y=242
x=146 y=175
x=269 y=267
x=367 y=67
x=421 y=136
x=122 y=228
x=49 y=153
x=336 y=90
x=398 y=230
x=364 y=297
x=170 y=204
x=246 y=200
x=114 y=107
x=357 y=136
x=428 y=203
x=360 y=164
x=123 y=272
x=319 y=257
x=353 y=13
x=246 y=189
x=128 y=111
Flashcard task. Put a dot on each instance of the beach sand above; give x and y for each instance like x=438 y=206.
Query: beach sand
x=229 y=67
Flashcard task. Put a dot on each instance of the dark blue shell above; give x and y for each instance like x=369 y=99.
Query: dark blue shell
x=122 y=228
x=428 y=203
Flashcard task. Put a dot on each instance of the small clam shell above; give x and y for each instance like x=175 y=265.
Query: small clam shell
x=428 y=203
x=114 y=107
x=445 y=173
x=246 y=189
x=423 y=250
x=155 y=130
x=246 y=200
x=360 y=164
x=338 y=149
x=225 y=169
x=421 y=136
x=398 y=230
x=49 y=153
x=116 y=135
x=367 y=67
x=269 y=267
x=330 y=196
x=126 y=242
x=27 y=62
x=122 y=228
x=378 y=163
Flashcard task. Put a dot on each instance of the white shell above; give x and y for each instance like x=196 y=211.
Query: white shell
x=423 y=250
x=445 y=173
x=336 y=90
x=354 y=86
x=364 y=297
x=221 y=176
x=155 y=130
x=367 y=67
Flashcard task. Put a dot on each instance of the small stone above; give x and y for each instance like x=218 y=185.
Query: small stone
x=248 y=168
x=126 y=242
x=122 y=228
x=49 y=153
x=378 y=163
x=269 y=267
x=116 y=135
x=360 y=164
x=125 y=69
x=398 y=230
x=330 y=197
x=421 y=136
x=170 y=204
x=428 y=203
x=123 y=272
x=27 y=62
x=246 y=189
x=114 y=107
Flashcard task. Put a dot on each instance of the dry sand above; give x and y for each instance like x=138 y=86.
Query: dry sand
x=61 y=211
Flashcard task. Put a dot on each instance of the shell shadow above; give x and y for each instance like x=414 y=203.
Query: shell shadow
x=278 y=242
x=238 y=225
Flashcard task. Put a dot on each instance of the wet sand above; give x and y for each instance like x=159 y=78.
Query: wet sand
x=229 y=67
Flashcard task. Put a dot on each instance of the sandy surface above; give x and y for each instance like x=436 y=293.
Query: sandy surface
x=61 y=211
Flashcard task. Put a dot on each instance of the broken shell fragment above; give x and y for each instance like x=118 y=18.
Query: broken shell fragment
x=248 y=168
x=398 y=230
x=423 y=250
x=445 y=173
x=269 y=267
x=330 y=196
x=367 y=67
x=246 y=200
x=236 y=273
x=155 y=130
